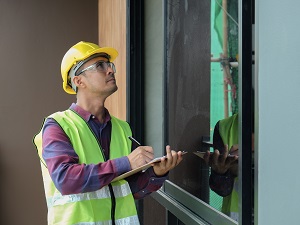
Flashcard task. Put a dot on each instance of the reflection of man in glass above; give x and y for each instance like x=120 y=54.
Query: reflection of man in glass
x=224 y=164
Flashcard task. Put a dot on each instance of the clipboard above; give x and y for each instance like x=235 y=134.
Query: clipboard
x=139 y=169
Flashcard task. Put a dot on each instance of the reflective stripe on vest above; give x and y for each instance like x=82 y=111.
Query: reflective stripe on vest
x=228 y=129
x=132 y=220
x=92 y=207
x=59 y=199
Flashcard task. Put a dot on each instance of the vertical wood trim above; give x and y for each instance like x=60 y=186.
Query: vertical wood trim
x=112 y=32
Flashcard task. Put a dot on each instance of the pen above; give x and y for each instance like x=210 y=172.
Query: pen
x=135 y=141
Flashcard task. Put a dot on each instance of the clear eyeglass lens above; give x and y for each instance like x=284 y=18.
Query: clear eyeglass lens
x=103 y=66
x=99 y=66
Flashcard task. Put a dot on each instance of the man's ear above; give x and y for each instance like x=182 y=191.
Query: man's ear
x=77 y=80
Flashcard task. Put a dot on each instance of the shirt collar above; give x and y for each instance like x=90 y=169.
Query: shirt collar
x=87 y=115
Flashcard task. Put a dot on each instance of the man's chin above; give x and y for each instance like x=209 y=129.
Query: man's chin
x=113 y=89
x=116 y=88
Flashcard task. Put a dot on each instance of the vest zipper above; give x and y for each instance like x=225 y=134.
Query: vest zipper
x=113 y=204
x=113 y=198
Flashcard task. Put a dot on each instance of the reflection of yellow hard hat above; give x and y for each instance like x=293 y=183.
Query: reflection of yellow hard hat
x=76 y=56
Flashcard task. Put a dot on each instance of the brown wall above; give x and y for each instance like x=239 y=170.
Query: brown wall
x=34 y=35
x=112 y=32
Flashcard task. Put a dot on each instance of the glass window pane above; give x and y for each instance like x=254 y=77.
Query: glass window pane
x=202 y=86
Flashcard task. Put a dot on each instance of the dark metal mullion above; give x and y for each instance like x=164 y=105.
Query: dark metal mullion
x=245 y=121
x=135 y=75
x=165 y=78
x=135 y=67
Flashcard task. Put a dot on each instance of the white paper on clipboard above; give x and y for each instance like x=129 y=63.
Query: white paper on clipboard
x=139 y=169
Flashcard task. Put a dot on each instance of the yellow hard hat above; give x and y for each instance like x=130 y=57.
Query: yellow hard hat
x=76 y=56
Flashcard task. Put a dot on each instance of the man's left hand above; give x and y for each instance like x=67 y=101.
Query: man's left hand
x=167 y=162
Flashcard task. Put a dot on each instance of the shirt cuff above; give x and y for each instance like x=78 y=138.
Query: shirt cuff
x=154 y=183
x=122 y=165
x=153 y=176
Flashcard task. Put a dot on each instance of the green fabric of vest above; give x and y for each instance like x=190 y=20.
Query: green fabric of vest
x=228 y=129
x=87 y=208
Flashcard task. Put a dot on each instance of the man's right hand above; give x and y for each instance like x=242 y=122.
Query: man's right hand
x=140 y=156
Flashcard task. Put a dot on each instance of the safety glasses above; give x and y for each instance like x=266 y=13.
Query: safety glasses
x=99 y=66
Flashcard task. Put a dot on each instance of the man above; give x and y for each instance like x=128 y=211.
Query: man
x=84 y=148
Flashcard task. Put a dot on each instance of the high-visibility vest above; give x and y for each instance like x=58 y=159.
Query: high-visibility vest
x=112 y=204
x=228 y=129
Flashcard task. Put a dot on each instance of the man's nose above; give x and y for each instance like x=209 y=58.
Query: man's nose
x=109 y=70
